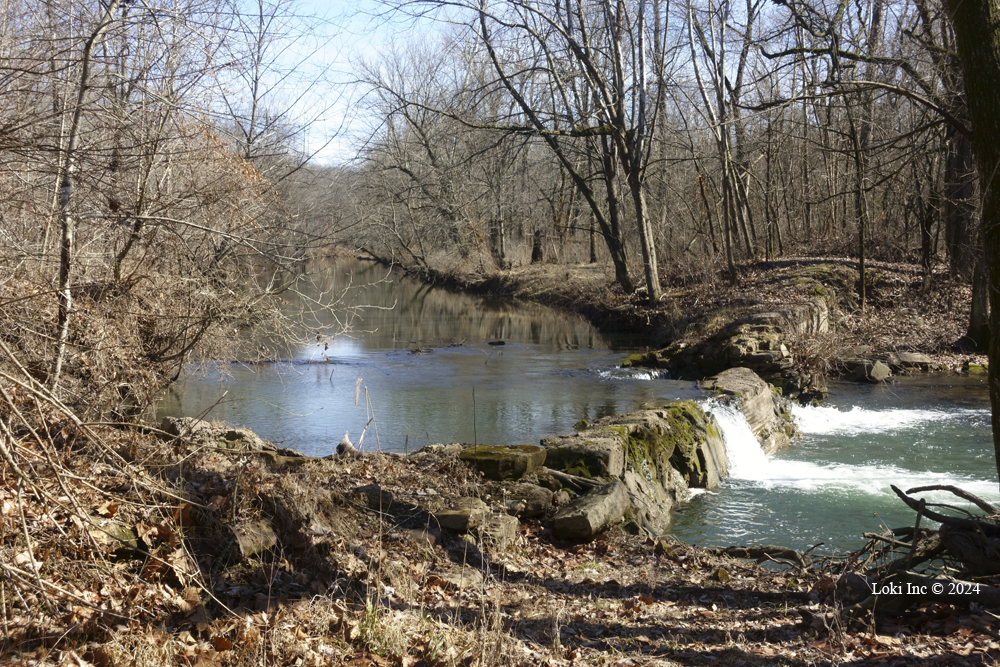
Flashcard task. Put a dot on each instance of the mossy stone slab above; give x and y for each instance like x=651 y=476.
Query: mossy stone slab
x=504 y=462
x=590 y=515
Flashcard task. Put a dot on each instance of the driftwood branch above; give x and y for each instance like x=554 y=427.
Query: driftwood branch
x=956 y=522
x=961 y=493
x=578 y=484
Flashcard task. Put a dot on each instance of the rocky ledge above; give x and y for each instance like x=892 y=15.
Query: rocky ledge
x=765 y=409
x=793 y=346
x=632 y=468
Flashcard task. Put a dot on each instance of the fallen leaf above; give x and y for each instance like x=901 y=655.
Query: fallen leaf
x=109 y=509
x=221 y=643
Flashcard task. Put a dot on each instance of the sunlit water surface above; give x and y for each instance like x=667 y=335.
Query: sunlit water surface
x=419 y=361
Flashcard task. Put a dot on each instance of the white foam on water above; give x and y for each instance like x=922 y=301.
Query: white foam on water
x=631 y=374
x=748 y=462
x=824 y=420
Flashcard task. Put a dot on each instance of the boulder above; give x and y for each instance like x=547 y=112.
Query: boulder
x=255 y=537
x=656 y=455
x=528 y=500
x=677 y=437
x=505 y=462
x=560 y=498
x=502 y=528
x=650 y=503
x=869 y=371
x=423 y=536
x=215 y=434
x=916 y=360
x=587 y=454
x=462 y=579
x=469 y=513
x=765 y=411
x=975 y=369
x=590 y=515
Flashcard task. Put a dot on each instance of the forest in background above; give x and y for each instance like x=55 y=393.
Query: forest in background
x=151 y=171
x=156 y=161
x=670 y=140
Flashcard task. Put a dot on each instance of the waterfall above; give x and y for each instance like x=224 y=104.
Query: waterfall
x=746 y=459
x=827 y=420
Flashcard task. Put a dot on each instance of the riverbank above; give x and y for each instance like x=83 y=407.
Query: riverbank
x=904 y=312
x=223 y=550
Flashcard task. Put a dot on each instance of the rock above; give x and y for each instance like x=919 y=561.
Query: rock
x=529 y=500
x=975 y=369
x=424 y=536
x=657 y=455
x=255 y=537
x=586 y=454
x=546 y=480
x=505 y=462
x=469 y=513
x=664 y=548
x=462 y=579
x=116 y=536
x=915 y=360
x=806 y=318
x=873 y=372
x=766 y=412
x=652 y=442
x=219 y=435
x=375 y=497
x=502 y=528
x=590 y=515
x=677 y=437
x=650 y=503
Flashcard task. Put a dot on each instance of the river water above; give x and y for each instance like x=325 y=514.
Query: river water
x=417 y=366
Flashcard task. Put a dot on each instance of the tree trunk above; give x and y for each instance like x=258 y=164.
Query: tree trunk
x=978 y=334
x=977 y=33
x=68 y=170
x=959 y=209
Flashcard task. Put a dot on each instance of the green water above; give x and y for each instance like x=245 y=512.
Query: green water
x=833 y=484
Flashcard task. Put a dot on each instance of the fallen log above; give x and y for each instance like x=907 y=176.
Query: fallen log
x=765 y=552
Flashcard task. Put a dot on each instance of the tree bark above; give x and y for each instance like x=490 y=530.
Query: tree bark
x=978 y=333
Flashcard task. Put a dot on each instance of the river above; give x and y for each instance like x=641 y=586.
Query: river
x=421 y=365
